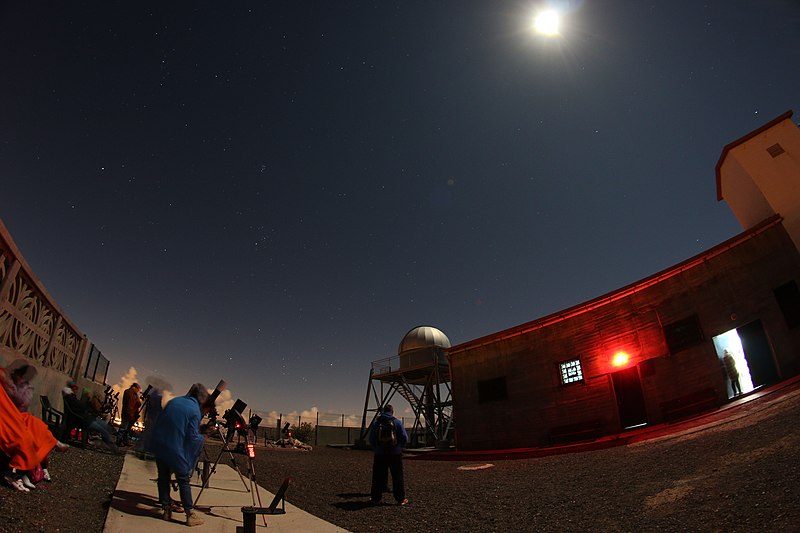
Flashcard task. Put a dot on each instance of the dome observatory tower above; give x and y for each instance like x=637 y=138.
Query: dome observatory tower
x=421 y=375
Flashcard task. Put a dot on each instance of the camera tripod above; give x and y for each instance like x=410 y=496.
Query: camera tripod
x=226 y=440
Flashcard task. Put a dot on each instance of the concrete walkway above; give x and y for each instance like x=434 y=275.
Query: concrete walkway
x=134 y=507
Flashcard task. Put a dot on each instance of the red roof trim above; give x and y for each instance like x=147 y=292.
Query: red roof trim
x=742 y=140
x=619 y=293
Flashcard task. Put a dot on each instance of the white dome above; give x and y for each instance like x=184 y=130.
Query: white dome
x=423 y=337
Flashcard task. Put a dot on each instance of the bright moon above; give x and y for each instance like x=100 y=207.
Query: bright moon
x=546 y=23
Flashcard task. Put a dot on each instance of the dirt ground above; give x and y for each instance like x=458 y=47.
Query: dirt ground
x=77 y=499
x=740 y=475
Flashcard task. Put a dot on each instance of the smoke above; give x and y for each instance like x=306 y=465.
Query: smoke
x=132 y=376
x=128 y=379
x=226 y=400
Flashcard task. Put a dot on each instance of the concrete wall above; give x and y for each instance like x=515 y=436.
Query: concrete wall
x=326 y=435
x=32 y=326
x=725 y=288
x=757 y=184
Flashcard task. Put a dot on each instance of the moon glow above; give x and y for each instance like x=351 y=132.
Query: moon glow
x=546 y=22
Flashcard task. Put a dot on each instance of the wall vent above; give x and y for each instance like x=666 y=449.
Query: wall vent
x=775 y=150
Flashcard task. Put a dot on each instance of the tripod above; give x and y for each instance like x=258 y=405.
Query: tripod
x=226 y=439
x=251 y=455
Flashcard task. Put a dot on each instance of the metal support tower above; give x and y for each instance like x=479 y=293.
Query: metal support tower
x=422 y=378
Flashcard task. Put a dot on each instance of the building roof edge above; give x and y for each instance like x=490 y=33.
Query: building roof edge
x=730 y=146
x=619 y=293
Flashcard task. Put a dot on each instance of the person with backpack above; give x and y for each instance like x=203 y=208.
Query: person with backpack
x=387 y=436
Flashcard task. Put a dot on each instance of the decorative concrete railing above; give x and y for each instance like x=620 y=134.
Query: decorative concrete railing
x=31 y=324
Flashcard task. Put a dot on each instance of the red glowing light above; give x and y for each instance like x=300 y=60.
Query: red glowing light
x=251 y=451
x=620 y=359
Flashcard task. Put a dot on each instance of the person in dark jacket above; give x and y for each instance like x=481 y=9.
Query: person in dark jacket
x=729 y=363
x=388 y=456
x=131 y=402
x=79 y=414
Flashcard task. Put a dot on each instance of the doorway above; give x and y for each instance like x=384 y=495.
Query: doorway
x=752 y=357
x=630 y=398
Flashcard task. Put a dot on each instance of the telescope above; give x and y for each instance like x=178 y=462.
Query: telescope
x=233 y=417
x=212 y=398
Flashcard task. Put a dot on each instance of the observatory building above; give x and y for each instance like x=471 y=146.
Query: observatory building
x=648 y=353
x=420 y=374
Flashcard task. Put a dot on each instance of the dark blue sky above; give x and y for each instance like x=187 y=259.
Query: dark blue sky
x=274 y=193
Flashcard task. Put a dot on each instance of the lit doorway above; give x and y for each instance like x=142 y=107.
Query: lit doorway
x=751 y=355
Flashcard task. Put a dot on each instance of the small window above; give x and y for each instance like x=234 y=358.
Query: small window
x=788 y=297
x=775 y=150
x=571 y=371
x=683 y=334
x=96 y=366
x=490 y=390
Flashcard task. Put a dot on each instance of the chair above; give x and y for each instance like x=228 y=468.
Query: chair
x=51 y=416
x=72 y=421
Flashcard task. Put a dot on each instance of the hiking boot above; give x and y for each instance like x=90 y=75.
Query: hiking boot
x=166 y=513
x=193 y=519
x=61 y=447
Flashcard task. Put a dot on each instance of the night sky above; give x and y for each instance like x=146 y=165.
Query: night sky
x=274 y=193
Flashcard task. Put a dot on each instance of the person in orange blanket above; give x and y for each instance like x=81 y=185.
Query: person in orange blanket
x=24 y=439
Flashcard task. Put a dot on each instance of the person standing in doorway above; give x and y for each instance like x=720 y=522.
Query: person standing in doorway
x=733 y=374
x=387 y=437
x=130 y=413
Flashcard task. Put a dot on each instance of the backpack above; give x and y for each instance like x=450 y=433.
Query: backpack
x=387 y=433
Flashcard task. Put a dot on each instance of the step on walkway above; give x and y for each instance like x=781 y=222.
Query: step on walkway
x=134 y=507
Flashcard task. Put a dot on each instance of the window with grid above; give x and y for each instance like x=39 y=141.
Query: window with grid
x=571 y=371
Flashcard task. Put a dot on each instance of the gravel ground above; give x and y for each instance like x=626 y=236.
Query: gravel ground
x=76 y=500
x=741 y=475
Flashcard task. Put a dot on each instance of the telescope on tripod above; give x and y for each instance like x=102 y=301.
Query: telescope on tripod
x=235 y=424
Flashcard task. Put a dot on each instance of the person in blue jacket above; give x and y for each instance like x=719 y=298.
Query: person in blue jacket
x=387 y=437
x=176 y=443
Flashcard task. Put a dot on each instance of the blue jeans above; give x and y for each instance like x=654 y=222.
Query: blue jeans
x=123 y=435
x=100 y=427
x=382 y=464
x=185 y=489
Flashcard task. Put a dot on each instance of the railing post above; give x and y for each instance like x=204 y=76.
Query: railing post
x=11 y=275
x=48 y=353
